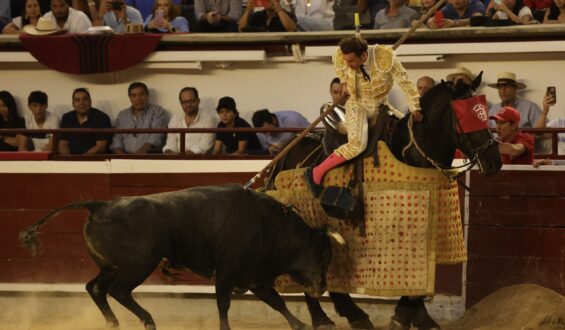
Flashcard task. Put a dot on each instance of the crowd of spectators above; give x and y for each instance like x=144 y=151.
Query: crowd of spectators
x=169 y=16
x=142 y=114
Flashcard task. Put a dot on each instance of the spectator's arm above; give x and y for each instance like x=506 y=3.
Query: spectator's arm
x=204 y=144
x=287 y=22
x=511 y=149
x=181 y=25
x=200 y=10
x=217 y=147
x=22 y=142
x=99 y=148
x=11 y=29
x=64 y=147
x=235 y=11
x=159 y=120
x=241 y=148
x=95 y=12
x=172 y=145
x=244 y=19
x=144 y=148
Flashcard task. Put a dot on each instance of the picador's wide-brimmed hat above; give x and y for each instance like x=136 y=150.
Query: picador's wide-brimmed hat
x=507 y=78
x=44 y=26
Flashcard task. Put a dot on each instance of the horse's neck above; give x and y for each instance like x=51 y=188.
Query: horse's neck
x=437 y=144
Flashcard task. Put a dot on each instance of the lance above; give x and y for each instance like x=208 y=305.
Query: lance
x=329 y=109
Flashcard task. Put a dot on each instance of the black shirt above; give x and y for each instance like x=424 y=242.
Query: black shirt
x=19 y=123
x=231 y=140
x=258 y=22
x=81 y=143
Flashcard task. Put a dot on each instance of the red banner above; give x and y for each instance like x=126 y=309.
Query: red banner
x=472 y=113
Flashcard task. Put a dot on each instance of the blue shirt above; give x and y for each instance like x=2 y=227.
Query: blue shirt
x=145 y=7
x=473 y=7
x=180 y=24
x=153 y=117
x=403 y=20
x=285 y=119
x=529 y=112
x=5 y=9
x=134 y=17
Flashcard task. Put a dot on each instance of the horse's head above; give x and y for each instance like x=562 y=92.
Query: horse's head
x=452 y=130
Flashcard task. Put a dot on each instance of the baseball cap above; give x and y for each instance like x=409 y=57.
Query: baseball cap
x=507 y=114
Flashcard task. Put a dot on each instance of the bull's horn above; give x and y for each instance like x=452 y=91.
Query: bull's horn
x=335 y=235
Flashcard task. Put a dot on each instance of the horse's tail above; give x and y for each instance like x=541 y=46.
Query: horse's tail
x=28 y=236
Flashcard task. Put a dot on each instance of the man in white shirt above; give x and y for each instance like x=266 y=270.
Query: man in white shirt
x=40 y=118
x=193 y=117
x=67 y=18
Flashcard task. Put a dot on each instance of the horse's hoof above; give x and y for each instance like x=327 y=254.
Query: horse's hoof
x=150 y=326
x=362 y=324
x=397 y=325
x=112 y=324
x=326 y=327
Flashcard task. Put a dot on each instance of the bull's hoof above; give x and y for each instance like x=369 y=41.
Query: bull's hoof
x=362 y=324
x=326 y=327
x=240 y=290
x=301 y=326
x=398 y=324
x=150 y=326
x=112 y=324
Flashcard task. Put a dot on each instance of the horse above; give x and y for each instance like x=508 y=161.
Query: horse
x=427 y=144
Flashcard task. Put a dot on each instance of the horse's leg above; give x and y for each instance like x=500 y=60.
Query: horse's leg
x=419 y=316
x=320 y=319
x=401 y=317
x=346 y=307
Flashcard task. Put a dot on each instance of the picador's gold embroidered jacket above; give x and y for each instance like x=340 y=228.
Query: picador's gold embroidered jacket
x=384 y=69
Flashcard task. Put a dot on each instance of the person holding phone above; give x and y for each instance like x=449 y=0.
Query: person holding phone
x=457 y=13
x=117 y=14
x=165 y=18
x=271 y=19
x=513 y=10
x=550 y=100
x=217 y=15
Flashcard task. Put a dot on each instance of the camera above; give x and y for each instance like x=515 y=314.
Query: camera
x=116 y=5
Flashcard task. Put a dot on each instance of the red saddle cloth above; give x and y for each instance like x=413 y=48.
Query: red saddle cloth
x=86 y=54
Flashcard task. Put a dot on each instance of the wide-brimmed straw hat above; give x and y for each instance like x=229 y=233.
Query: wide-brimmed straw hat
x=460 y=72
x=44 y=26
x=507 y=78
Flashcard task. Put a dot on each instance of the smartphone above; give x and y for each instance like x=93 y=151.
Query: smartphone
x=438 y=17
x=551 y=91
x=117 y=5
x=159 y=15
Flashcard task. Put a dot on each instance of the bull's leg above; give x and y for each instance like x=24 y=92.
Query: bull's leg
x=98 y=290
x=273 y=299
x=223 y=300
x=346 y=307
x=320 y=319
x=121 y=291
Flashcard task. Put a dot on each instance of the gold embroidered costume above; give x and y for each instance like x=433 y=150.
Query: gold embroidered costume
x=366 y=96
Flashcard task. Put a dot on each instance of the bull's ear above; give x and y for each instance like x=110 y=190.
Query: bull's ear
x=332 y=233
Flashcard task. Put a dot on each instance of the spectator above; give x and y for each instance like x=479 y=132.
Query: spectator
x=146 y=7
x=548 y=102
x=116 y=14
x=193 y=117
x=233 y=143
x=84 y=116
x=315 y=15
x=461 y=74
x=457 y=13
x=539 y=8
x=273 y=142
x=10 y=119
x=425 y=6
x=513 y=10
x=424 y=84
x=40 y=118
x=556 y=13
x=374 y=6
x=217 y=15
x=141 y=114
x=165 y=18
x=515 y=147
x=30 y=15
x=67 y=18
x=397 y=15
x=508 y=86
x=271 y=19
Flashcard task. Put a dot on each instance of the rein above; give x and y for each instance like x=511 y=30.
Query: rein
x=448 y=171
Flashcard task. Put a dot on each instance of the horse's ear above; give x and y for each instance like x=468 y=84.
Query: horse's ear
x=477 y=81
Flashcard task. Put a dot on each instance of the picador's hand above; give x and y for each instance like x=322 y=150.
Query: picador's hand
x=418 y=116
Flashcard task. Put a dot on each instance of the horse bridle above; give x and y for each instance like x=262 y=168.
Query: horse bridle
x=448 y=171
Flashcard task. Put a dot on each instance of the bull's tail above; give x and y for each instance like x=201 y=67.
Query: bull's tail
x=28 y=237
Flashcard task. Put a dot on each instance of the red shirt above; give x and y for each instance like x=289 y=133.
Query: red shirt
x=527 y=157
x=538 y=4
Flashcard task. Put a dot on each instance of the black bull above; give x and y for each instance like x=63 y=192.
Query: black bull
x=241 y=238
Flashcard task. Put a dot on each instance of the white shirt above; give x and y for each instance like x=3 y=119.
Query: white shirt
x=77 y=21
x=198 y=143
x=322 y=9
x=523 y=12
x=17 y=22
x=51 y=121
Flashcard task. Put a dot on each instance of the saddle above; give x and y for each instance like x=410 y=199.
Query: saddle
x=347 y=202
